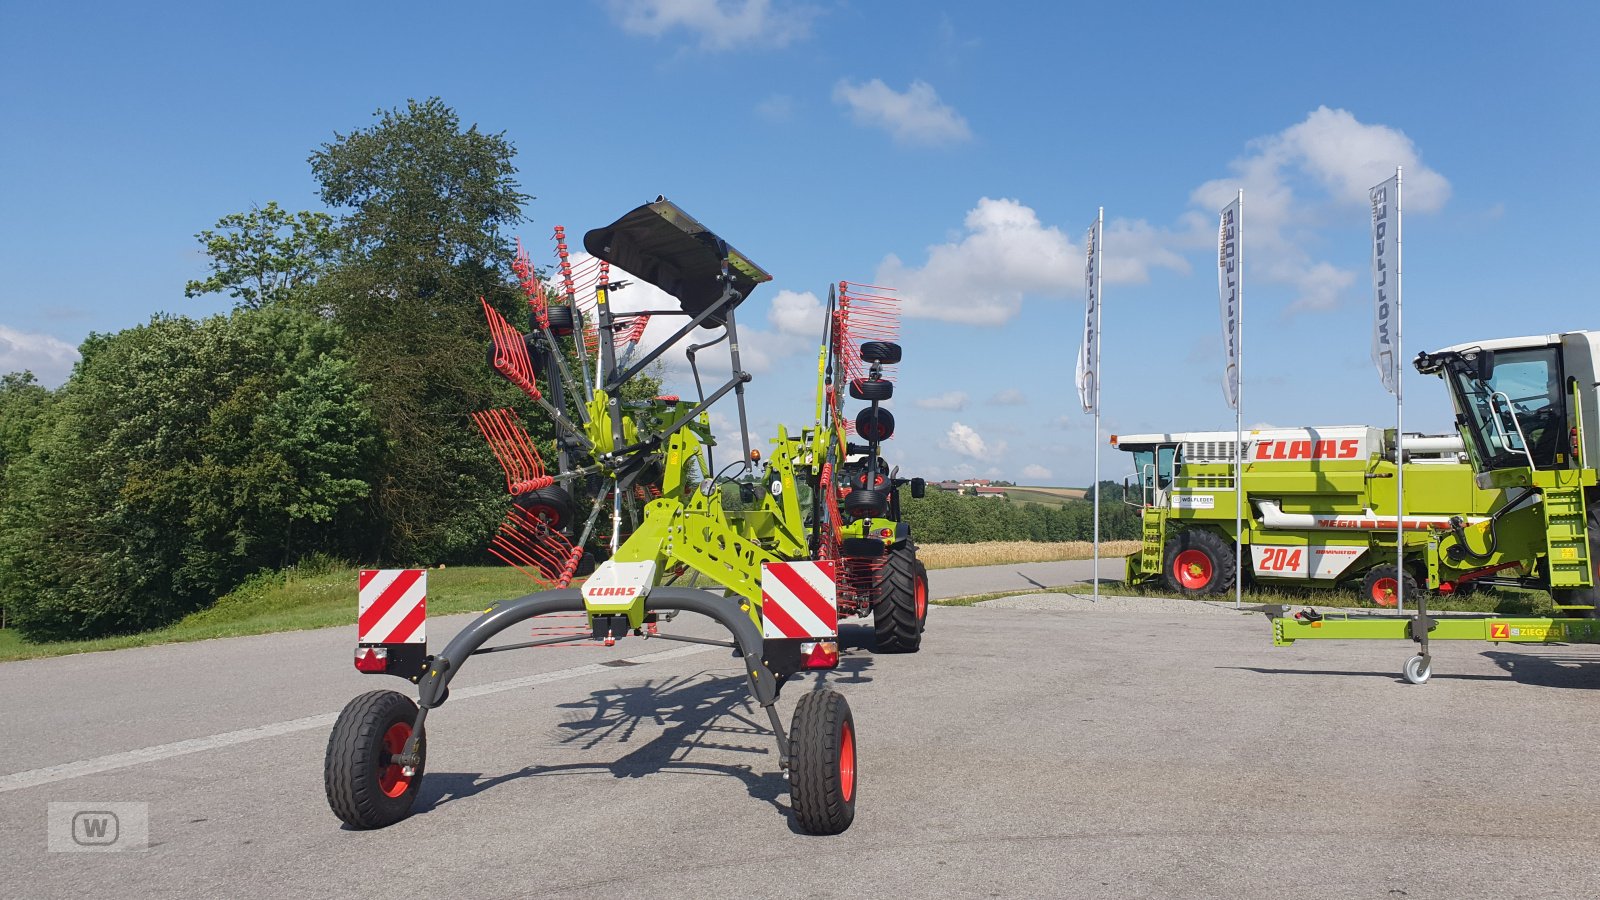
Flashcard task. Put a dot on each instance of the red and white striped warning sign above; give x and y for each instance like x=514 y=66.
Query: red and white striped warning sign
x=798 y=600
x=394 y=606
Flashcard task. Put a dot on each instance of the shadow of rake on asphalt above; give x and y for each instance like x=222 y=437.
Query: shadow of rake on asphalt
x=695 y=712
x=1522 y=668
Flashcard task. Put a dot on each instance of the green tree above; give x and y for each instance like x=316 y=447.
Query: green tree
x=23 y=400
x=182 y=456
x=263 y=256
x=427 y=205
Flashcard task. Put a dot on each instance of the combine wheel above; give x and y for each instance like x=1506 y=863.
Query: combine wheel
x=1417 y=669
x=1382 y=588
x=1198 y=563
x=365 y=787
x=900 y=601
x=822 y=763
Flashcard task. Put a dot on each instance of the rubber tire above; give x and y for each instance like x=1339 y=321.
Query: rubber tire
x=822 y=801
x=1417 y=670
x=866 y=389
x=922 y=608
x=356 y=756
x=554 y=500
x=1379 y=573
x=562 y=321
x=866 y=502
x=875 y=423
x=1589 y=595
x=894 y=602
x=883 y=352
x=1218 y=551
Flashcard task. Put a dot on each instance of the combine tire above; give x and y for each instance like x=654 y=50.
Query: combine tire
x=1382 y=588
x=365 y=789
x=1198 y=563
x=822 y=763
x=1589 y=596
x=900 y=601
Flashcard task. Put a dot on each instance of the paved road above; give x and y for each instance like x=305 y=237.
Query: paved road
x=1044 y=751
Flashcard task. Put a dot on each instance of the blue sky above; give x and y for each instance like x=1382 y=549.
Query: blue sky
x=955 y=152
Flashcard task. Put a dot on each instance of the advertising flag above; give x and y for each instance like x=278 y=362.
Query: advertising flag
x=1089 y=350
x=1386 y=280
x=1229 y=233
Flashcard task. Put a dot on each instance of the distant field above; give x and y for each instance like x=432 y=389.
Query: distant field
x=994 y=553
x=1049 y=496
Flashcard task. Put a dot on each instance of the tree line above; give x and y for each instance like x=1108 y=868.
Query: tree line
x=327 y=413
x=943 y=517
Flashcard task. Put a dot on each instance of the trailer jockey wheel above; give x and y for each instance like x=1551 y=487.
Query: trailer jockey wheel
x=1382 y=588
x=899 y=601
x=1198 y=563
x=1417 y=669
x=551 y=505
x=366 y=787
x=822 y=763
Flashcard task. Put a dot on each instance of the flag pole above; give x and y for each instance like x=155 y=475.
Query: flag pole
x=1100 y=221
x=1238 y=428
x=1399 y=407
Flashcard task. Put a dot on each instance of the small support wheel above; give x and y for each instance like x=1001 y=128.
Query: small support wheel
x=366 y=788
x=822 y=763
x=1417 y=669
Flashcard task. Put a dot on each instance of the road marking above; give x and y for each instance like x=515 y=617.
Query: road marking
x=64 y=771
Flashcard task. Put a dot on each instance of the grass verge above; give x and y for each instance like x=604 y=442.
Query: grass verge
x=290 y=600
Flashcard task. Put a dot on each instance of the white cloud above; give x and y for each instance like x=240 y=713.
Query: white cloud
x=720 y=24
x=1008 y=397
x=967 y=442
x=917 y=116
x=1331 y=159
x=47 y=357
x=981 y=279
x=954 y=401
x=1036 y=472
x=797 y=313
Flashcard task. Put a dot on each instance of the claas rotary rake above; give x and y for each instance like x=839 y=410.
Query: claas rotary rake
x=634 y=500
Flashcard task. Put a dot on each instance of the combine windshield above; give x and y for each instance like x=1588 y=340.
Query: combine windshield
x=1516 y=416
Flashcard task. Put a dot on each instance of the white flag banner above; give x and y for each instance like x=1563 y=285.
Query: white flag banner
x=1228 y=236
x=1088 y=351
x=1386 y=280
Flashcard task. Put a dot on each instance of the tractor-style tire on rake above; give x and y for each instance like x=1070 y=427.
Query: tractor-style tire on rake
x=900 y=601
x=366 y=787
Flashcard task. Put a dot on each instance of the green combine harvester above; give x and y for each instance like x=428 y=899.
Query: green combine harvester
x=1318 y=511
x=1526 y=409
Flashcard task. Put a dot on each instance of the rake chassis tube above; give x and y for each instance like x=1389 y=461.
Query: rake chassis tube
x=433 y=687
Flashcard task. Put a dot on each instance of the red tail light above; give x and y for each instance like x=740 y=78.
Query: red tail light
x=819 y=655
x=372 y=659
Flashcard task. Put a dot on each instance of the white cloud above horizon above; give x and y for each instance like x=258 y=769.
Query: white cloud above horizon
x=1036 y=471
x=915 y=116
x=952 y=401
x=963 y=440
x=49 y=358
x=720 y=24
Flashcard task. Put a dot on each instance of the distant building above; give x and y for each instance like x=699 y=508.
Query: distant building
x=995 y=492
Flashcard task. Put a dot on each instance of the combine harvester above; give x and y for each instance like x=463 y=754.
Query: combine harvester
x=1319 y=507
x=782 y=568
x=1527 y=413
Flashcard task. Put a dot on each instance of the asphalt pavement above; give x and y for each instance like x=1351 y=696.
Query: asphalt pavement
x=1036 y=747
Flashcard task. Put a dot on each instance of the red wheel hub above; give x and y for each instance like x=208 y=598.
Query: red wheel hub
x=1384 y=590
x=921 y=593
x=1193 y=569
x=392 y=779
x=847 y=761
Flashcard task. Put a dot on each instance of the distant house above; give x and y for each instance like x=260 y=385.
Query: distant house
x=975 y=483
x=952 y=486
x=996 y=492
